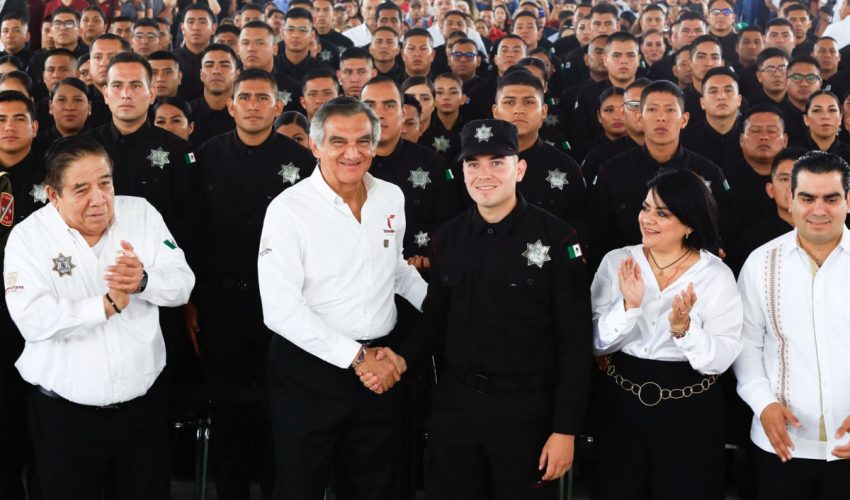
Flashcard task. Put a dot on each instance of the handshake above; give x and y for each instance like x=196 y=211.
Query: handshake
x=380 y=369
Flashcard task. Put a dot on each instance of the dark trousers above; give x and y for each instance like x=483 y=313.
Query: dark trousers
x=671 y=451
x=322 y=419
x=800 y=478
x=13 y=425
x=487 y=446
x=82 y=452
x=234 y=351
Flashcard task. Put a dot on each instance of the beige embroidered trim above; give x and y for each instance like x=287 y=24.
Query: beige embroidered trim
x=772 y=293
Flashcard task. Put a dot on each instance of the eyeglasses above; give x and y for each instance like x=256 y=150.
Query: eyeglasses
x=632 y=105
x=149 y=36
x=774 y=69
x=799 y=77
x=463 y=55
x=725 y=12
x=292 y=29
x=64 y=24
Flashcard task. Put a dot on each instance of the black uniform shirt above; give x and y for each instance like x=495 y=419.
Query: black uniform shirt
x=722 y=149
x=191 y=86
x=431 y=194
x=209 y=122
x=553 y=181
x=24 y=55
x=754 y=236
x=663 y=69
x=600 y=154
x=692 y=105
x=100 y=112
x=335 y=38
x=511 y=299
x=748 y=200
x=838 y=83
x=35 y=68
x=297 y=71
x=237 y=184
x=585 y=124
x=154 y=164
x=621 y=188
x=443 y=141
x=795 y=127
x=396 y=73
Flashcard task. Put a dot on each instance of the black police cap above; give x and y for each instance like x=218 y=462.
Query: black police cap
x=490 y=137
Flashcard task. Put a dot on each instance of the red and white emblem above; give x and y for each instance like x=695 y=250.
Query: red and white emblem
x=7 y=209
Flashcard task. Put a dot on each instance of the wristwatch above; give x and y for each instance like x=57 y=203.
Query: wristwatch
x=359 y=359
x=143 y=283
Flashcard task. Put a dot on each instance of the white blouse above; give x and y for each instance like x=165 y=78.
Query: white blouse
x=713 y=340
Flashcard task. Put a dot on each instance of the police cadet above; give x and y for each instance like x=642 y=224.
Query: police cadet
x=717 y=137
x=257 y=50
x=430 y=197
x=102 y=49
x=197 y=27
x=508 y=310
x=21 y=193
x=242 y=172
x=620 y=186
x=552 y=179
x=219 y=67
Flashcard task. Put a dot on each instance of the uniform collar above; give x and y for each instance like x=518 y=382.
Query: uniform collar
x=647 y=158
x=243 y=148
x=329 y=195
x=504 y=226
x=116 y=134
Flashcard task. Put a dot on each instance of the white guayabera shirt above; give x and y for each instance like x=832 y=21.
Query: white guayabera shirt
x=54 y=291
x=797 y=342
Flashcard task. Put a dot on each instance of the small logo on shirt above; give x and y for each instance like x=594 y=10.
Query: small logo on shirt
x=63 y=265
x=7 y=209
x=390 y=229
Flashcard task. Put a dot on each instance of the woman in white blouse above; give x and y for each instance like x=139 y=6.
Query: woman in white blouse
x=667 y=321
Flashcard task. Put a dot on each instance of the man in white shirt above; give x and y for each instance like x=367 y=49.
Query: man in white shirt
x=793 y=371
x=330 y=263
x=85 y=277
x=840 y=30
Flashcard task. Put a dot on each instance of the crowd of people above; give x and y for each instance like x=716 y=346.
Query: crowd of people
x=619 y=220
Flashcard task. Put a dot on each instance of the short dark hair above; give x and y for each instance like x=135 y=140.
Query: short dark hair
x=62 y=53
x=317 y=73
x=222 y=47
x=818 y=162
x=164 y=55
x=375 y=80
x=662 y=87
x=449 y=76
x=200 y=6
x=71 y=81
x=388 y=6
x=805 y=59
x=608 y=92
x=355 y=53
x=689 y=15
x=16 y=16
x=819 y=93
x=719 y=71
x=706 y=39
x=226 y=28
x=641 y=83
x=258 y=25
x=65 y=152
x=534 y=62
x=299 y=13
x=796 y=6
x=605 y=8
x=66 y=10
x=417 y=32
x=177 y=102
x=15 y=96
x=387 y=29
x=419 y=80
x=749 y=29
x=125 y=45
x=256 y=74
x=769 y=53
x=20 y=76
x=686 y=196
x=131 y=58
x=778 y=21
x=519 y=76
x=762 y=108
x=252 y=6
x=13 y=60
x=788 y=154
x=409 y=100
x=621 y=36
x=83 y=59
x=122 y=19
x=293 y=117
x=146 y=22
x=522 y=13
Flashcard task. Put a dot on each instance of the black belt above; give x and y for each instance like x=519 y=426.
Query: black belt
x=493 y=385
x=53 y=395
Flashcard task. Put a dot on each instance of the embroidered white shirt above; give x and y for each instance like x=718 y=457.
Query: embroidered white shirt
x=797 y=341
x=54 y=292
x=327 y=280
x=714 y=337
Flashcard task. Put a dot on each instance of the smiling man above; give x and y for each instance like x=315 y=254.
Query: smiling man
x=330 y=261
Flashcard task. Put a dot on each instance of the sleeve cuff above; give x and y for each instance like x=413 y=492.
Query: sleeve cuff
x=92 y=312
x=345 y=352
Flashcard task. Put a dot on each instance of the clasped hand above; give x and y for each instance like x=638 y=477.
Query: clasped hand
x=380 y=369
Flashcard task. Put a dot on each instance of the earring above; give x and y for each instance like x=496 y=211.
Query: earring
x=686 y=235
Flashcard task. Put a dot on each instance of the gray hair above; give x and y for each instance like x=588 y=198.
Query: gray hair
x=342 y=106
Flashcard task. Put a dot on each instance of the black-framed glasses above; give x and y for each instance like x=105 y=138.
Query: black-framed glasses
x=463 y=55
x=799 y=77
x=773 y=69
x=64 y=24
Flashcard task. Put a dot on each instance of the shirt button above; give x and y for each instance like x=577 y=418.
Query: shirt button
x=489 y=230
x=530 y=281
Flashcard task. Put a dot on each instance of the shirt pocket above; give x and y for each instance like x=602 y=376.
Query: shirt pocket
x=453 y=279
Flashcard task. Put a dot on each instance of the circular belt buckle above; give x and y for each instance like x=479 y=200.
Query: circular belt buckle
x=640 y=394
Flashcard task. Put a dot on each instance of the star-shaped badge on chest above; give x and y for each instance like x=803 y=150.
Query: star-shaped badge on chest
x=63 y=265
x=325 y=55
x=421 y=238
x=39 y=193
x=284 y=95
x=536 y=253
x=419 y=178
x=159 y=158
x=557 y=179
x=551 y=120
x=290 y=173
x=484 y=133
x=441 y=144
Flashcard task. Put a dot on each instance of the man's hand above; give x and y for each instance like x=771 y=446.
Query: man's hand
x=190 y=315
x=774 y=418
x=557 y=456
x=381 y=369
x=126 y=274
x=842 y=451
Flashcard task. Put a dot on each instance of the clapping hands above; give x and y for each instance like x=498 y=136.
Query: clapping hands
x=381 y=369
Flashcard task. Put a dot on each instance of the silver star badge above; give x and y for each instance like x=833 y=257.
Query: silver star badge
x=419 y=178
x=39 y=193
x=325 y=55
x=557 y=179
x=551 y=120
x=421 y=238
x=63 y=265
x=536 y=253
x=484 y=133
x=290 y=173
x=159 y=158
x=284 y=95
x=441 y=144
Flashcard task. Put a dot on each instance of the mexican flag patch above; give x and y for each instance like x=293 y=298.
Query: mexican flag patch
x=574 y=251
